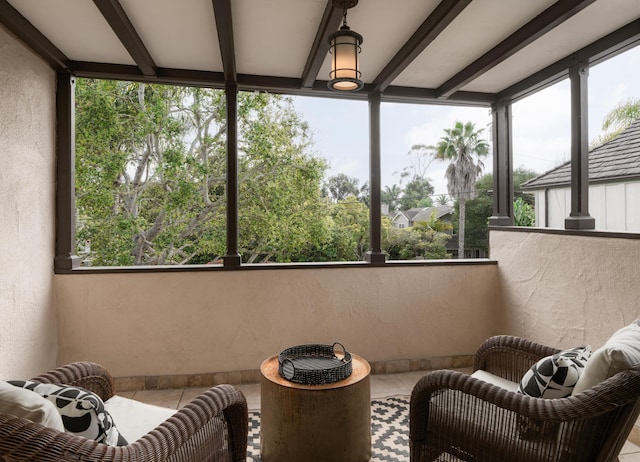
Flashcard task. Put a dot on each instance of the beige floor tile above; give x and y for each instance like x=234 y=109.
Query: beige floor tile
x=189 y=395
x=632 y=457
x=630 y=448
x=163 y=398
x=385 y=385
x=251 y=392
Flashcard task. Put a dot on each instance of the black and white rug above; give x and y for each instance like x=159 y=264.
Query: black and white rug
x=389 y=431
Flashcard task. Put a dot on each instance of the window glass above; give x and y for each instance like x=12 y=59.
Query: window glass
x=150 y=174
x=542 y=146
x=421 y=206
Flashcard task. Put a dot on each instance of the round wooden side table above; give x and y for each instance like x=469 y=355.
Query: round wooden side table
x=308 y=423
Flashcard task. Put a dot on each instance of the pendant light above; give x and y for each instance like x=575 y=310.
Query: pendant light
x=344 y=47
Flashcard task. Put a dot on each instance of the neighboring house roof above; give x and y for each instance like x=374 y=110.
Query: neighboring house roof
x=424 y=213
x=439 y=211
x=615 y=160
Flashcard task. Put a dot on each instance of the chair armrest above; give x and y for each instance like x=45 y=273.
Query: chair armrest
x=470 y=415
x=88 y=375
x=212 y=427
x=509 y=357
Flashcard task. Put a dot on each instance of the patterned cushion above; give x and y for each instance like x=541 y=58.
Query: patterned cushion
x=555 y=376
x=82 y=412
x=28 y=405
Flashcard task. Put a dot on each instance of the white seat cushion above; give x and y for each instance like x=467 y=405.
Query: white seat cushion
x=136 y=419
x=26 y=404
x=495 y=380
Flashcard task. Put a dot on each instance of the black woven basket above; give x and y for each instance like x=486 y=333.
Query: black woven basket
x=314 y=364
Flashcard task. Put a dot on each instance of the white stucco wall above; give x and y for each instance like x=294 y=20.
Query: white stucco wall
x=197 y=322
x=27 y=187
x=566 y=290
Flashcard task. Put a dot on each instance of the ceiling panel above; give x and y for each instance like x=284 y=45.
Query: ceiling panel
x=480 y=26
x=178 y=34
x=274 y=37
x=602 y=18
x=76 y=27
x=385 y=28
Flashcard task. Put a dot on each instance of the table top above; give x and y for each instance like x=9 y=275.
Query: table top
x=360 y=370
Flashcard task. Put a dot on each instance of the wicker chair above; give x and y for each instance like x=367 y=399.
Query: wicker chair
x=455 y=416
x=213 y=427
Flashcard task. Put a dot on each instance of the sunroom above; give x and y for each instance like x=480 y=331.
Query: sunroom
x=199 y=325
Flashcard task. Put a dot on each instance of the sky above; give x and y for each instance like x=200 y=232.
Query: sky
x=541 y=125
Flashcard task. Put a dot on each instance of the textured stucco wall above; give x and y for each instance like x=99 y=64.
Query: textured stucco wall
x=184 y=323
x=27 y=187
x=566 y=290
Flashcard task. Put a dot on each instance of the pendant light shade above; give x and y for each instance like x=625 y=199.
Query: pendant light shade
x=344 y=47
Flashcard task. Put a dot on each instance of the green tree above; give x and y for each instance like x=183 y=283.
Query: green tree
x=417 y=193
x=417 y=242
x=523 y=213
x=442 y=199
x=350 y=229
x=390 y=195
x=459 y=146
x=150 y=175
x=616 y=120
x=340 y=186
x=481 y=208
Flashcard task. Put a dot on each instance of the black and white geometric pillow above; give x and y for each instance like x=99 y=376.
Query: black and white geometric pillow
x=82 y=412
x=555 y=376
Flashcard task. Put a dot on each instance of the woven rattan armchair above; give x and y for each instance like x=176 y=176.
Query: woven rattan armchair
x=455 y=416
x=213 y=427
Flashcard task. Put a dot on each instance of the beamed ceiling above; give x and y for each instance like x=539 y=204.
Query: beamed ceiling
x=446 y=51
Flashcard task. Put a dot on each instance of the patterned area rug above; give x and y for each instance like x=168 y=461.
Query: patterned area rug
x=389 y=431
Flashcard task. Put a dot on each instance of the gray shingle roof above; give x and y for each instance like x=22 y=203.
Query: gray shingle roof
x=616 y=159
x=440 y=211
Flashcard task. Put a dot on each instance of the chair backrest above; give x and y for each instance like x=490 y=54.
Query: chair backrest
x=615 y=426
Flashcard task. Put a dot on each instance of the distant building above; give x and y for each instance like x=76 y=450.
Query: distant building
x=407 y=218
x=614 y=186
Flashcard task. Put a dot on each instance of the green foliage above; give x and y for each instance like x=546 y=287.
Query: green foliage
x=523 y=213
x=151 y=175
x=459 y=145
x=391 y=197
x=350 y=229
x=339 y=186
x=416 y=194
x=415 y=243
x=479 y=210
x=616 y=120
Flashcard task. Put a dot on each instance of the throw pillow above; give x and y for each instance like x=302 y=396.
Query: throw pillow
x=28 y=405
x=82 y=412
x=621 y=352
x=555 y=376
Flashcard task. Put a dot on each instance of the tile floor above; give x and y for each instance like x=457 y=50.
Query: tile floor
x=382 y=386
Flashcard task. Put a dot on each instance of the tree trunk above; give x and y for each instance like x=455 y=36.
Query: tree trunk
x=462 y=209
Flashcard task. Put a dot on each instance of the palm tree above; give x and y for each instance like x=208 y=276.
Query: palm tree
x=617 y=119
x=391 y=196
x=459 y=145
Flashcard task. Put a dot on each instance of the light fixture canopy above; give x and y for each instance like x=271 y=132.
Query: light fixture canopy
x=344 y=47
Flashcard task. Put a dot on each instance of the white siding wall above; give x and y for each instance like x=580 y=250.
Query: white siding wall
x=615 y=207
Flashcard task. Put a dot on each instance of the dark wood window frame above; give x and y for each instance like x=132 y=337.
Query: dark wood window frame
x=575 y=67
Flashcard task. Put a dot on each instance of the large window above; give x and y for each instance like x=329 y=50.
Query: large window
x=151 y=177
x=421 y=202
x=542 y=146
